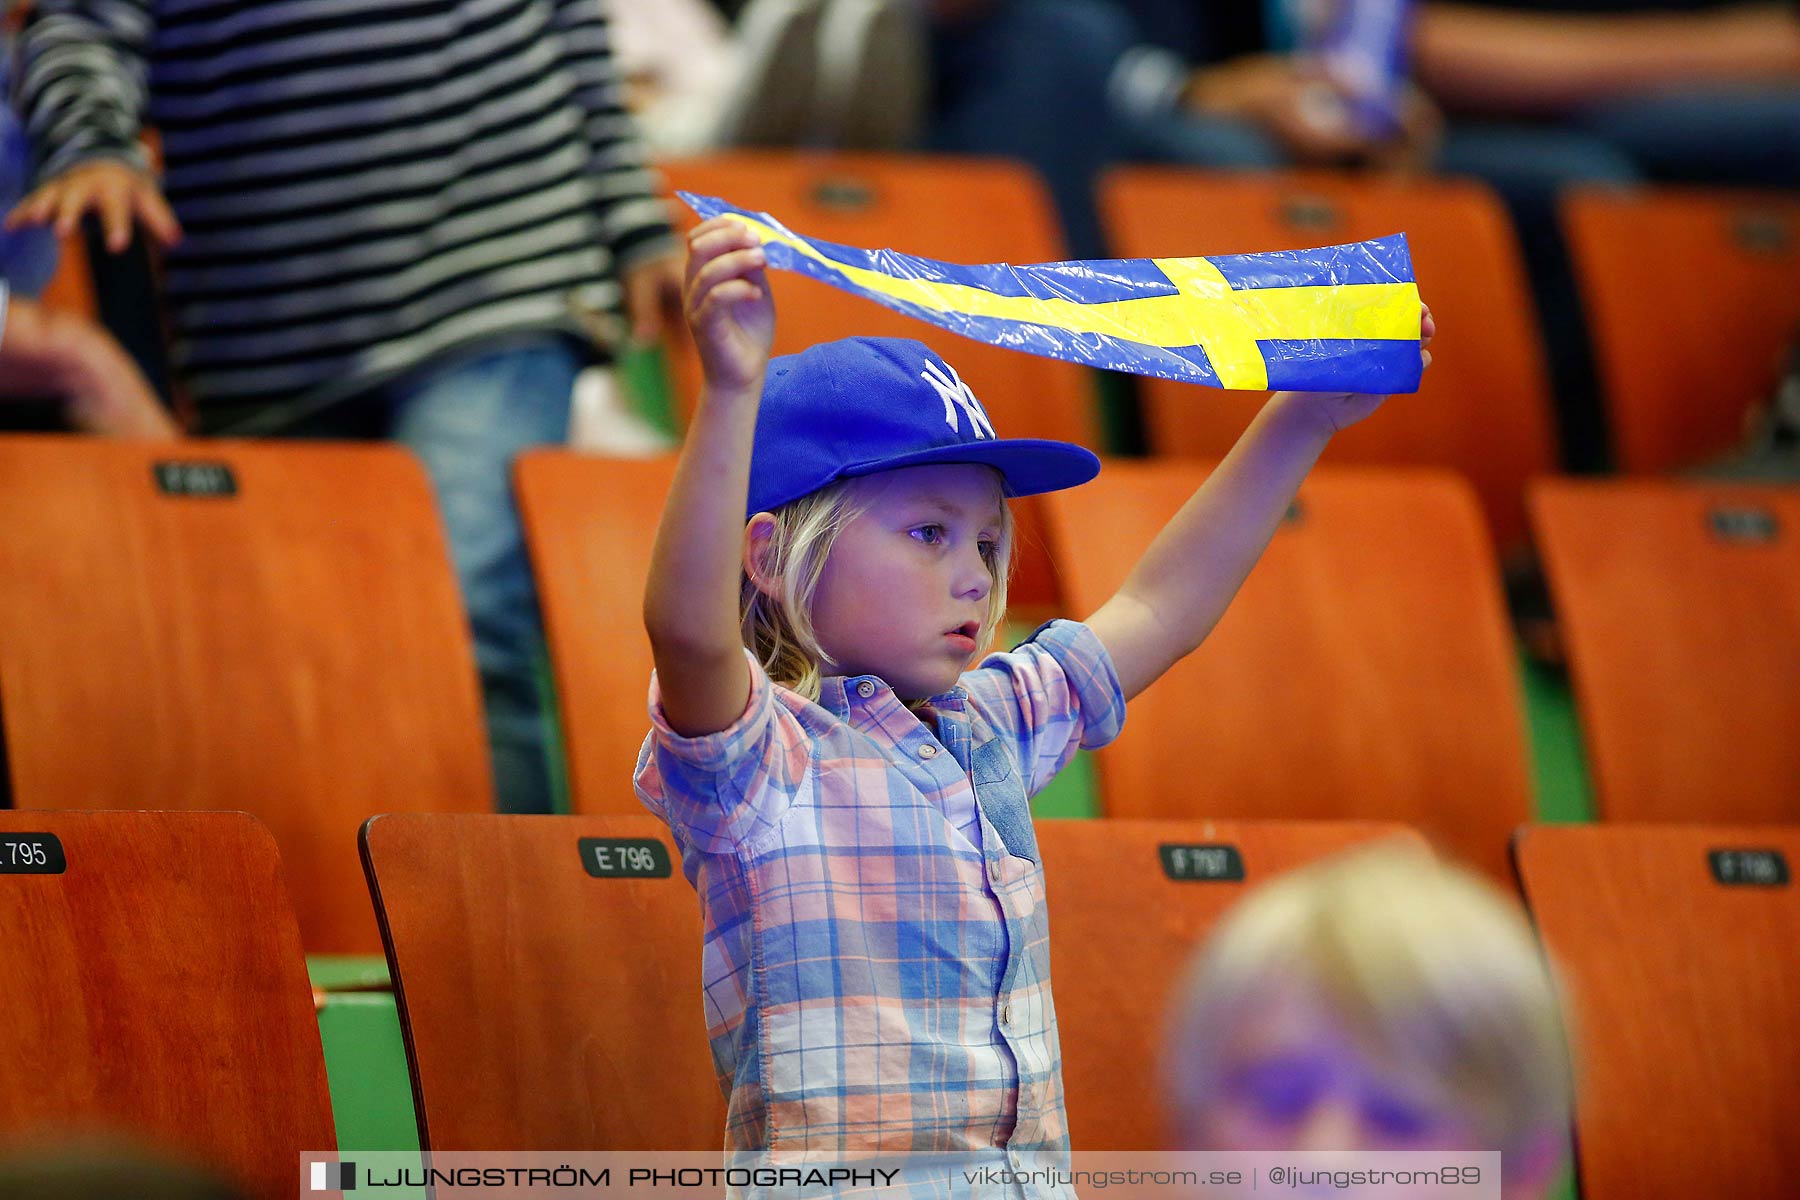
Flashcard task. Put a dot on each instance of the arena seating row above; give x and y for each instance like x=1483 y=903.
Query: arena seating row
x=550 y=1000
x=1366 y=669
x=274 y=627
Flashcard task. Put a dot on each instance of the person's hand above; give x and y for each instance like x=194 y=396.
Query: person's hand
x=729 y=308
x=1287 y=98
x=1293 y=100
x=1337 y=411
x=653 y=295
x=46 y=352
x=1415 y=149
x=116 y=192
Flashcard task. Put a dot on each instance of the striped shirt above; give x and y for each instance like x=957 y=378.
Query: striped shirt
x=363 y=184
x=876 y=950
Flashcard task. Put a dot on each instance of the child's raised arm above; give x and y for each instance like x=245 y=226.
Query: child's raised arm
x=691 y=601
x=1183 y=583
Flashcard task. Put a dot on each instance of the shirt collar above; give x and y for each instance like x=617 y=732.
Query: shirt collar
x=838 y=693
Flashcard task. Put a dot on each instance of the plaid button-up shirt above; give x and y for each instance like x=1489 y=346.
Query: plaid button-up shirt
x=876 y=951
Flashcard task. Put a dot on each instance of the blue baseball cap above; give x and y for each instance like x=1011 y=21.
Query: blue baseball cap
x=861 y=405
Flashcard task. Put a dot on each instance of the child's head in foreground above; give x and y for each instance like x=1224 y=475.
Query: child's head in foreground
x=879 y=538
x=1378 y=1000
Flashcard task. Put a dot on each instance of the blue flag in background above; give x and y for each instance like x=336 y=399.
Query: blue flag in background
x=1337 y=319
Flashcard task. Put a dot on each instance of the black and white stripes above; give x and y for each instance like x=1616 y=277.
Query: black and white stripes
x=363 y=183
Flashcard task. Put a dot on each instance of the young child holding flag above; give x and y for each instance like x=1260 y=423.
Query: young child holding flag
x=850 y=798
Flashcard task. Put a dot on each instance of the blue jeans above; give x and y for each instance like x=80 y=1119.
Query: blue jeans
x=467 y=420
x=1746 y=134
x=467 y=416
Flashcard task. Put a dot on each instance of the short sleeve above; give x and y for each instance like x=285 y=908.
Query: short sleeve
x=721 y=790
x=1054 y=693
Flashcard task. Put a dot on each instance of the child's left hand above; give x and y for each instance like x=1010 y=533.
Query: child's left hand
x=1337 y=411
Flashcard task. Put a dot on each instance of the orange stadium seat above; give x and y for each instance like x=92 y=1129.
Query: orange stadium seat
x=1484 y=408
x=156 y=989
x=1692 y=299
x=1000 y=213
x=1366 y=670
x=71 y=288
x=546 y=1004
x=1677 y=944
x=589 y=525
x=1679 y=608
x=964 y=210
x=206 y=625
x=1125 y=919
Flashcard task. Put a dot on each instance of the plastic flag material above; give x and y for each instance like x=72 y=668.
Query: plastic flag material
x=1337 y=319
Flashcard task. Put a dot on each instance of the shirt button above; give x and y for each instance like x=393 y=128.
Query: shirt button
x=927 y=751
x=994 y=873
x=865 y=689
x=1006 y=1014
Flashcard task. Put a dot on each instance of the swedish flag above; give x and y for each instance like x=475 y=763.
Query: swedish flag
x=1337 y=319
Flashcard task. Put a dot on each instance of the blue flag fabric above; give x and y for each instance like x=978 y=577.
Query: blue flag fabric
x=1336 y=319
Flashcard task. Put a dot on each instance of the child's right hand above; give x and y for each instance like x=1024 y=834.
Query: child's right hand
x=119 y=194
x=729 y=308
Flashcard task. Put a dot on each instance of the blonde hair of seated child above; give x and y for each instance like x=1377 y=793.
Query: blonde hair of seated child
x=1423 y=965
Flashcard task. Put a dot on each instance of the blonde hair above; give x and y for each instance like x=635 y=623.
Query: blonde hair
x=1425 y=963
x=777 y=624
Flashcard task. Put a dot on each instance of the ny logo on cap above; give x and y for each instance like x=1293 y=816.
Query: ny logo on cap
x=956 y=394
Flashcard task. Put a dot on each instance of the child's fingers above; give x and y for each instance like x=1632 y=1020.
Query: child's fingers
x=39 y=208
x=737 y=264
x=714 y=223
x=720 y=236
x=114 y=208
x=70 y=207
x=730 y=236
x=732 y=291
x=154 y=211
x=716 y=245
x=29 y=211
x=702 y=227
x=717 y=305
